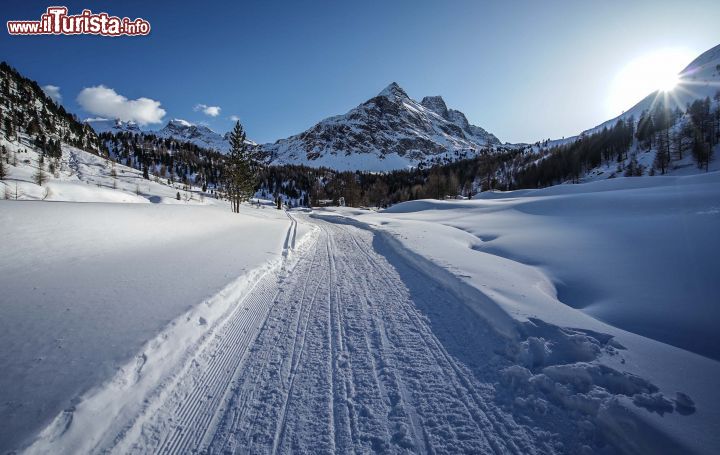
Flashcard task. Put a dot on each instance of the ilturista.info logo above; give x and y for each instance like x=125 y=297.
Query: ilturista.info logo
x=56 y=21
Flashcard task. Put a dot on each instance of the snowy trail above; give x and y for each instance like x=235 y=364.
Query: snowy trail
x=345 y=352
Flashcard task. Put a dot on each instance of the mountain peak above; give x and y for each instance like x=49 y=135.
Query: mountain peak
x=103 y=125
x=387 y=132
x=436 y=104
x=179 y=122
x=393 y=91
x=199 y=135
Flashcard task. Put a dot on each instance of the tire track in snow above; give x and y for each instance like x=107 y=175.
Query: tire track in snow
x=193 y=410
x=484 y=412
x=182 y=420
x=398 y=413
x=388 y=328
x=295 y=362
x=277 y=364
x=336 y=355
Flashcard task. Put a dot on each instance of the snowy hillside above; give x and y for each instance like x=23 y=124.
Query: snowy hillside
x=80 y=176
x=25 y=108
x=676 y=132
x=667 y=126
x=630 y=260
x=700 y=79
x=48 y=155
x=389 y=131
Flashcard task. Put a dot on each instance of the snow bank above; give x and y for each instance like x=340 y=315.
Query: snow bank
x=604 y=279
x=86 y=286
x=638 y=253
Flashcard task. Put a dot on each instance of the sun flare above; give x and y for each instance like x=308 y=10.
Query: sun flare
x=646 y=74
x=669 y=83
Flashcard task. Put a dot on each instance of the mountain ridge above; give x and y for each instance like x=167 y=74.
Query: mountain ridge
x=389 y=131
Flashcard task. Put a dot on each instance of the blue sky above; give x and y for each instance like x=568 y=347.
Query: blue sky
x=522 y=70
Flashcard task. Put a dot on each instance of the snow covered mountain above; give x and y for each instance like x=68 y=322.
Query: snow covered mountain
x=177 y=129
x=389 y=131
x=699 y=80
x=102 y=125
x=667 y=132
x=200 y=135
x=26 y=108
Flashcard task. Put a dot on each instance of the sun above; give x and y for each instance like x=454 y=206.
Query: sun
x=648 y=73
x=667 y=84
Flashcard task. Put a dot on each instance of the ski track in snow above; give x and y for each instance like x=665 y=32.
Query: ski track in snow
x=335 y=355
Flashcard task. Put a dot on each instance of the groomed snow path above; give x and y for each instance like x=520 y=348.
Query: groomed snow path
x=350 y=351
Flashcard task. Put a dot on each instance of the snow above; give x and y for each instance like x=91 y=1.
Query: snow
x=629 y=262
x=103 y=125
x=200 y=135
x=572 y=319
x=94 y=282
x=180 y=122
x=506 y=323
x=84 y=177
x=344 y=348
x=93 y=267
x=178 y=129
x=650 y=241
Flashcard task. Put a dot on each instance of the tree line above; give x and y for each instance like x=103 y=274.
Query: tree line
x=672 y=133
x=166 y=158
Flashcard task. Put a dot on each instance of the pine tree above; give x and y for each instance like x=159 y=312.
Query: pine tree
x=238 y=173
x=662 y=154
x=39 y=177
x=13 y=193
x=8 y=127
x=700 y=120
x=2 y=169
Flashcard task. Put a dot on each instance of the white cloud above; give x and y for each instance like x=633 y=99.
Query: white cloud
x=106 y=102
x=53 y=91
x=234 y=118
x=212 y=111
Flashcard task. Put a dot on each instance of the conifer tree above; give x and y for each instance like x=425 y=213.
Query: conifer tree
x=239 y=175
x=39 y=176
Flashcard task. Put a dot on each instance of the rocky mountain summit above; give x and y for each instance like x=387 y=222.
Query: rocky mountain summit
x=389 y=131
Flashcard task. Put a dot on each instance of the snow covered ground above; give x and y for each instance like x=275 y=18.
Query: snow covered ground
x=390 y=332
x=83 y=177
x=95 y=263
x=86 y=286
x=345 y=348
x=634 y=259
x=573 y=319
